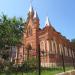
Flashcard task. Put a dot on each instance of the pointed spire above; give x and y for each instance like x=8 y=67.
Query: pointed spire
x=36 y=15
x=31 y=9
x=47 y=21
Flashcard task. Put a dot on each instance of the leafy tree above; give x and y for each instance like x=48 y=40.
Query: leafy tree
x=11 y=30
x=73 y=43
x=73 y=40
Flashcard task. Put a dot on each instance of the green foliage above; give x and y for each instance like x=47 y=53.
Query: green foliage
x=73 y=40
x=10 y=31
x=29 y=65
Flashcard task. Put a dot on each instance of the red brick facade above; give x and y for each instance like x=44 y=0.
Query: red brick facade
x=52 y=43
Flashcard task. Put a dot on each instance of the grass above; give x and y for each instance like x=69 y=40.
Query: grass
x=43 y=72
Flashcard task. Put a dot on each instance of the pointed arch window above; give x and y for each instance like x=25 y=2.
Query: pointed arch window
x=66 y=51
x=47 y=45
x=29 y=31
x=54 y=45
x=42 y=46
x=61 y=48
x=70 y=52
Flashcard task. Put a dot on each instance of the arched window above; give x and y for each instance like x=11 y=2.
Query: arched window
x=55 y=44
x=42 y=46
x=26 y=32
x=60 y=48
x=52 y=47
x=29 y=31
x=70 y=53
x=66 y=51
x=47 y=45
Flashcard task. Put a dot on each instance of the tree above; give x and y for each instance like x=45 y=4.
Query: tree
x=11 y=30
x=73 y=40
x=73 y=43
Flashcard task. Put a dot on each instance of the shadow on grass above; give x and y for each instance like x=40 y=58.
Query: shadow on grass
x=52 y=69
x=34 y=71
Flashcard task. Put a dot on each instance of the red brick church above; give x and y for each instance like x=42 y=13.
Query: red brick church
x=52 y=43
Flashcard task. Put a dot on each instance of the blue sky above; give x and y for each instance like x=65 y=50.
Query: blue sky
x=61 y=13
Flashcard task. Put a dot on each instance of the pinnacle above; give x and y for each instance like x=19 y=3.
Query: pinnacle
x=36 y=15
x=47 y=23
x=31 y=9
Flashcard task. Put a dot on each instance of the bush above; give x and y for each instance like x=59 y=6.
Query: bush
x=29 y=65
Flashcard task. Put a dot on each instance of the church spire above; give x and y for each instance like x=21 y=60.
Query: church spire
x=36 y=15
x=36 y=20
x=47 y=23
x=31 y=11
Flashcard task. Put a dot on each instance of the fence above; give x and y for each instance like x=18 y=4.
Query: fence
x=37 y=63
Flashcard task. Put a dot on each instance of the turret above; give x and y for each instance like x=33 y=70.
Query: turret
x=31 y=12
x=36 y=20
x=47 y=23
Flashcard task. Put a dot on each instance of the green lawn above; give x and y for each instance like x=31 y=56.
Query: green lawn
x=43 y=72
